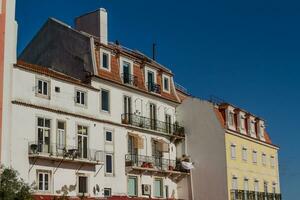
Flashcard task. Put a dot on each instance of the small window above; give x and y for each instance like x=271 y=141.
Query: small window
x=81 y=97
x=264 y=159
x=107 y=192
x=43 y=87
x=231 y=118
x=108 y=136
x=166 y=83
x=254 y=156
x=105 y=100
x=105 y=60
x=234 y=183
x=44 y=181
x=158 y=187
x=82 y=185
x=57 y=89
x=272 y=161
x=242 y=123
x=109 y=163
x=233 y=151
x=244 y=153
x=132 y=186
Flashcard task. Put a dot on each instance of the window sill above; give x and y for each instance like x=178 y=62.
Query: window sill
x=42 y=96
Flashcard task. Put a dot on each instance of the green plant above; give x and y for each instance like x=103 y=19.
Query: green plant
x=12 y=187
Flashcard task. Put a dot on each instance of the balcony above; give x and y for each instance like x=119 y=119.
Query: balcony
x=153 y=87
x=155 y=166
x=130 y=79
x=252 y=195
x=58 y=152
x=152 y=124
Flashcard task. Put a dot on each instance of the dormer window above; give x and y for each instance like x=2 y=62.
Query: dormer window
x=151 y=84
x=126 y=69
x=231 y=118
x=105 y=59
x=242 y=122
x=166 y=83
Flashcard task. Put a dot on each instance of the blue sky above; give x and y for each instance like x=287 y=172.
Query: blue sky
x=246 y=52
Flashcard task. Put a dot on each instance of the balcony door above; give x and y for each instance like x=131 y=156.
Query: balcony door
x=61 y=136
x=157 y=153
x=82 y=141
x=43 y=126
x=126 y=73
x=152 y=116
x=127 y=108
x=168 y=123
x=132 y=150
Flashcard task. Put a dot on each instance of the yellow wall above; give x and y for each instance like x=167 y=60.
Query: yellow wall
x=247 y=169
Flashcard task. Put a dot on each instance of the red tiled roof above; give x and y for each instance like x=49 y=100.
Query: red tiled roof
x=221 y=118
x=114 y=75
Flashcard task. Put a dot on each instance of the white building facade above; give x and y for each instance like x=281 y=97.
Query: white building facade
x=113 y=134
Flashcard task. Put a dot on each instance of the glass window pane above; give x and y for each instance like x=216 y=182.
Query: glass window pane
x=40 y=181
x=45 y=92
x=40 y=121
x=105 y=100
x=40 y=87
x=47 y=123
x=82 y=184
x=77 y=97
x=108 y=136
x=108 y=163
x=105 y=60
x=82 y=98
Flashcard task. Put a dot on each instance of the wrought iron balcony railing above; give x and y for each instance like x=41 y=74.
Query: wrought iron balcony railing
x=40 y=148
x=152 y=124
x=153 y=162
x=129 y=79
x=252 y=195
x=153 y=87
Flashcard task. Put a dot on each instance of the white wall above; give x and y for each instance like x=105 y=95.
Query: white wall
x=206 y=147
x=10 y=51
x=24 y=131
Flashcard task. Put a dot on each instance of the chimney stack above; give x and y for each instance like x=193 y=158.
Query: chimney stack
x=94 y=23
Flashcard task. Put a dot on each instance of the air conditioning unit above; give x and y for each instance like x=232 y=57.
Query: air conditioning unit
x=146 y=189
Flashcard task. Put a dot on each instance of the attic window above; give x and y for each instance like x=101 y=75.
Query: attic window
x=57 y=89
x=104 y=59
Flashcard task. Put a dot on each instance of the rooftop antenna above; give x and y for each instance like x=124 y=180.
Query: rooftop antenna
x=153 y=51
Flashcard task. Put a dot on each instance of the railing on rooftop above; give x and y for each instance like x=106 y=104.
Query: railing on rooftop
x=152 y=124
x=45 y=149
x=181 y=88
x=129 y=79
x=153 y=87
x=252 y=195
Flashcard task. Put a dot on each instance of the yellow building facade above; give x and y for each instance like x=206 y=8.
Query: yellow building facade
x=251 y=166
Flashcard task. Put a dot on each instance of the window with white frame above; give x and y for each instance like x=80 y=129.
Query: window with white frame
x=105 y=98
x=107 y=192
x=158 y=187
x=61 y=135
x=244 y=153
x=256 y=189
x=231 y=118
x=105 y=60
x=166 y=83
x=272 y=161
x=108 y=136
x=43 y=134
x=264 y=159
x=234 y=183
x=43 y=88
x=254 y=156
x=132 y=186
x=109 y=163
x=233 y=151
x=82 y=184
x=246 y=188
x=242 y=122
x=43 y=181
x=81 y=98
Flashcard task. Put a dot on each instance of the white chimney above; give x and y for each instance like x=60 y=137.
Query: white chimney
x=94 y=23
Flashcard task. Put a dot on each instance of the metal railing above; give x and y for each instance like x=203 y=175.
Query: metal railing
x=129 y=79
x=152 y=124
x=151 y=162
x=252 y=195
x=153 y=87
x=70 y=152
